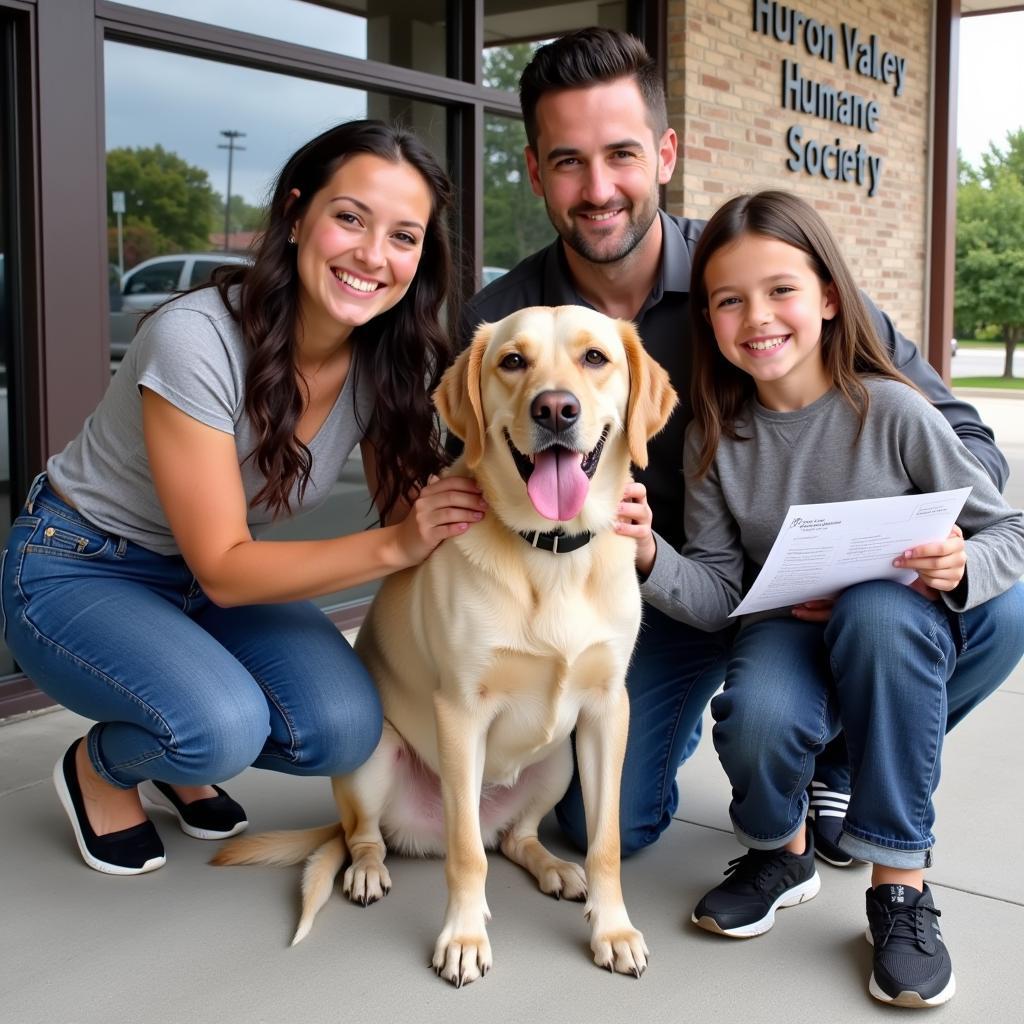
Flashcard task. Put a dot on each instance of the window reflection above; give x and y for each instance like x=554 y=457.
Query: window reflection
x=522 y=25
x=165 y=118
x=515 y=220
x=389 y=31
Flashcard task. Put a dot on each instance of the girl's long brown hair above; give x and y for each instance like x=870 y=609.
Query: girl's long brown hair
x=850 y=345
x=405 y=350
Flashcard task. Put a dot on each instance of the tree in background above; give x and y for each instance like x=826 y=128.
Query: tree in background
x=990 y=246
x=244 y=217
x=995 y=161
x=169 y=203
x=515 y=221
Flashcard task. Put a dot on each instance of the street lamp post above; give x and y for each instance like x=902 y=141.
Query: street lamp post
x=230 y=134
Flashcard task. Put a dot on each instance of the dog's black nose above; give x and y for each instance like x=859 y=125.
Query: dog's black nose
x=555 y=410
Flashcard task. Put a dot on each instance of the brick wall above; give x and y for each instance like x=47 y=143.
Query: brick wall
x=725 y=83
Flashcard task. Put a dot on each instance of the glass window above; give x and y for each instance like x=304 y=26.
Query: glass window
x=409 y=35
x=515 y=220
x=166 y=118
x=504 y=22
x=504 y=64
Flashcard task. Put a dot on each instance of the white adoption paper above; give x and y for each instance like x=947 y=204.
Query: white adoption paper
x=823 y=549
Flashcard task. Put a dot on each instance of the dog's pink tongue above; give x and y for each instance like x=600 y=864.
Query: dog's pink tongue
x=558 y=486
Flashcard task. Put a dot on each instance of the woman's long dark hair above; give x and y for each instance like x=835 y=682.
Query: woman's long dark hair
x=405 y=350
x=849 y=343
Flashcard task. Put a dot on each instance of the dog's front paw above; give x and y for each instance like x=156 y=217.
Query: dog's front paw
x=462 y=957
x=366 y=881
x=622 y=950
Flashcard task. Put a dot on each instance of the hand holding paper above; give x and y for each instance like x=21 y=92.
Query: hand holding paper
x=823 y=549
x=940 y=566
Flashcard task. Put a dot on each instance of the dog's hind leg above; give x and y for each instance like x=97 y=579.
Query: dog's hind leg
x=362 y=798
x=547 y=783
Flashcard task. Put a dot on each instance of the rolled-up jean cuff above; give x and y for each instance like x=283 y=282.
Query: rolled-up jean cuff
x=92 y=745
x=875 y=853
x=751 y=843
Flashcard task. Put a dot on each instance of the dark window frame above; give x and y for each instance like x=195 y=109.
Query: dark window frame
x=17 y=149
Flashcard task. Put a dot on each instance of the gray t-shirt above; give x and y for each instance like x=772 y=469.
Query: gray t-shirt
x=813 y=455
x=191 y=353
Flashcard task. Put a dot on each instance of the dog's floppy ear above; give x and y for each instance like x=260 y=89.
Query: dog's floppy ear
x=651 y=397
x=458 y=398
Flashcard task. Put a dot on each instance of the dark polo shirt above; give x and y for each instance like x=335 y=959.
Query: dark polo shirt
x=543 y=279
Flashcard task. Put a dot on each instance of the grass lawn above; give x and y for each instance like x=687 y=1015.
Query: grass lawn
x=1003 y=383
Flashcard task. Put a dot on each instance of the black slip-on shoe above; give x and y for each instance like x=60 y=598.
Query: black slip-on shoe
x=911 y=965
x=215 y=817
x=132 y=851
x=756 y=885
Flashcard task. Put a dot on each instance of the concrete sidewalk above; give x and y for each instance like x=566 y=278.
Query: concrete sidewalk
x=196 y=943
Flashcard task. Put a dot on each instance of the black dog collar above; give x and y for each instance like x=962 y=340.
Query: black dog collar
x=556 y=541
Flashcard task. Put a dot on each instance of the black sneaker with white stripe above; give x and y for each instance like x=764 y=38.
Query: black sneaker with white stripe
x=756 y=885
x=911 y=963
x=825 y=813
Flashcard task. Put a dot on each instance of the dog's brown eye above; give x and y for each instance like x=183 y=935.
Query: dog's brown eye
x=595 y=357
x=513 y=361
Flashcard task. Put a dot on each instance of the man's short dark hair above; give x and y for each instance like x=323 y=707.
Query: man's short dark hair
x=586 y=57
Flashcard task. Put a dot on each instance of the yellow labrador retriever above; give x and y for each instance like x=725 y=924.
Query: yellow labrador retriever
x=507 y=638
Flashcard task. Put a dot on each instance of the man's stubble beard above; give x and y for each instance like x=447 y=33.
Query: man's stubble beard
x=640 y=221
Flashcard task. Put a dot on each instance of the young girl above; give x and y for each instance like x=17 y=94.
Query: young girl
x=796 y=402
x=134 y=590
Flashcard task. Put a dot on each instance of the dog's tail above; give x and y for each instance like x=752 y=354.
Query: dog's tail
x=276 y=848
x=323 y=849
x=318 y=881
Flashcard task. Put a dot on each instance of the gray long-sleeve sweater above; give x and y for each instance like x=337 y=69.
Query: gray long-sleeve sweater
x=813 y=455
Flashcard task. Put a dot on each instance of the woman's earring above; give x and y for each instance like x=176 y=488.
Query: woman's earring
x=291 y=239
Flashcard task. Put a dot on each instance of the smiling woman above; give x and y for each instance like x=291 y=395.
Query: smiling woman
x=236 y=406
x=173 y=178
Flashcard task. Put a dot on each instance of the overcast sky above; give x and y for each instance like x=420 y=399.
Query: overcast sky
x=991 y=99
x=183 y=103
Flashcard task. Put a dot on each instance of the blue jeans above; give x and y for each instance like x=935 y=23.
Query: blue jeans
x=891 y=669
x=674 y=671
x=183 y=691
